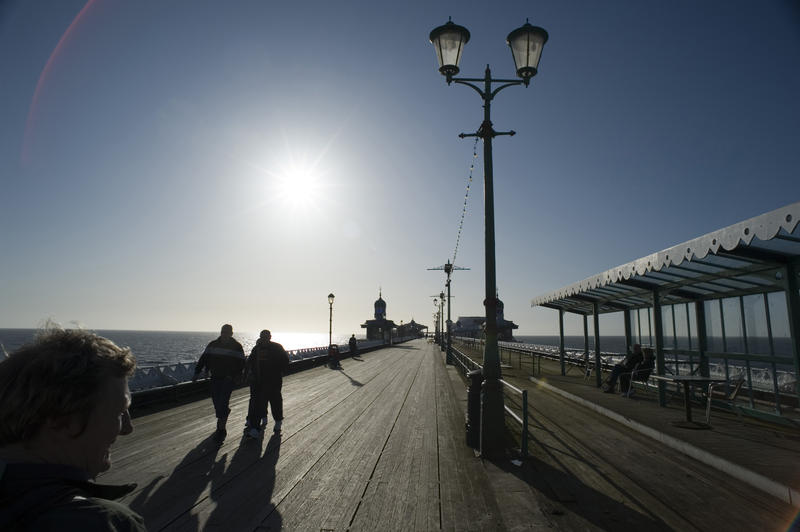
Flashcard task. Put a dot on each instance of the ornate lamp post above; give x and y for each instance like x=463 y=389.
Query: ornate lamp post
x=330 y=321
x=526 y=45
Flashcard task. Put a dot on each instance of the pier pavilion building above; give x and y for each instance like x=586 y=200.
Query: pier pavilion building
x=379 y=328
x=474 y=326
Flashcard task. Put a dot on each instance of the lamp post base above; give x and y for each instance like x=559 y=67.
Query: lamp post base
x=493 y=424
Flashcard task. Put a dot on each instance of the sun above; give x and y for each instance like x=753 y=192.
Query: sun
x=299 y=186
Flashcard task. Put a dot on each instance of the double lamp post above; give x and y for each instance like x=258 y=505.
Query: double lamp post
x=526 y=45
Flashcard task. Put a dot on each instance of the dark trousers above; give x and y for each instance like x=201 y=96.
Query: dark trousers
x=221 y=389
x=260 y=395
x=615 y=373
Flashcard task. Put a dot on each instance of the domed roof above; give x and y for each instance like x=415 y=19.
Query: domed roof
x=380 y=302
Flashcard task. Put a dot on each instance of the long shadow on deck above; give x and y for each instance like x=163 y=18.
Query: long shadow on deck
x=256 y=474
x=567 y=492
x=183 y=487
x=352 y=380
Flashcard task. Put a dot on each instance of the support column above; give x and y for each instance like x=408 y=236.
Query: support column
x=598 y=363
x=702 y=336
x=561 y=341
x=793 y=308
x=586 y=343
x=659 y=334
x=628 y=340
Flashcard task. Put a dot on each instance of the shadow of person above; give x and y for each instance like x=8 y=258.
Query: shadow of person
x=243 y=495
x=352 y=380
x=181 y=490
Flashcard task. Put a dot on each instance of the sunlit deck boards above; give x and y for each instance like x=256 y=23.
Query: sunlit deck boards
x=378 y=446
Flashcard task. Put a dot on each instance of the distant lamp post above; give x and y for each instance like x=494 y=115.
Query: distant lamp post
x=526 y=45
x=436 y=317
x=330 y=320
x=441 y=319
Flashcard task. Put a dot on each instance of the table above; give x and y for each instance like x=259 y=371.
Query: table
x=688 y=381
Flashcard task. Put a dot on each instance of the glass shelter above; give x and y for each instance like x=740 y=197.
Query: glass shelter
x=724 y=305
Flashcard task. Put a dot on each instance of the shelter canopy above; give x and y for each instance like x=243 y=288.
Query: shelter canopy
x=745 y=258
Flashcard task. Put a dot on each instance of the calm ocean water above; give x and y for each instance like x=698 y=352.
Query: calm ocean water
x=154 y=348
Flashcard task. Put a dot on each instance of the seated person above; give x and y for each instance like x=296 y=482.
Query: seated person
x=63 y=401
x=626 y=366
x=639 y=372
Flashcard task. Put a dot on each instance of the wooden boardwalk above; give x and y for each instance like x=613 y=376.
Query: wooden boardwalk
x=380 y=446
x=377 y=446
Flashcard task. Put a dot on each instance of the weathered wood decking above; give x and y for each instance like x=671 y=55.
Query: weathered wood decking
x=380 y=446
x=377 y=446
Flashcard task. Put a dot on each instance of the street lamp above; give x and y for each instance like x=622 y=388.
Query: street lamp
x=436 y=315
x=441 y=318
x=526 y=45
x=330 y=321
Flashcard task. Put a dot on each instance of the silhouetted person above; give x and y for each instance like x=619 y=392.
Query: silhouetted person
x=267 y=362
x=224 y=358
x=63 y=401
x=645 y=366
x=353 y=346
x=626 y=366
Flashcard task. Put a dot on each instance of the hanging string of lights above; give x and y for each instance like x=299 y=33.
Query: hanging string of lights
x=466 y=197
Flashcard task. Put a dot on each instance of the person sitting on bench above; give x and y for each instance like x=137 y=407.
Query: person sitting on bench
x=626 y=366
x=640 y=372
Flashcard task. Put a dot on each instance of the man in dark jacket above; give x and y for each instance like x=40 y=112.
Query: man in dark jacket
x=224 y=358
x=626 y=366
x=267 y=362
x=63 y=402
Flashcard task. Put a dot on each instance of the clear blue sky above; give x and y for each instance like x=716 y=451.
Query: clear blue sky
x=145 y=149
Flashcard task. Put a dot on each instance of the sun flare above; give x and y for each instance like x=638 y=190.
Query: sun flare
x=298 y=187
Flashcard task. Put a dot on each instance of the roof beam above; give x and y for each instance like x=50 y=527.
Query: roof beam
x=755 y=255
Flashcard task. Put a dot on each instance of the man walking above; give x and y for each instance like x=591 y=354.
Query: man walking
x=224 y=358
x=267 y=362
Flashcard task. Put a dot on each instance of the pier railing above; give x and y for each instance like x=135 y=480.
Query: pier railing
x=171 y=375
x=466 y=364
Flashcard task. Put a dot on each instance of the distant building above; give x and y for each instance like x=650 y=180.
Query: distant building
x=475 y=326
x=379 y=328
x=411 y=328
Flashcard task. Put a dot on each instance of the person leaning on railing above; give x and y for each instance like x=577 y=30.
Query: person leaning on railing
x=626 y=366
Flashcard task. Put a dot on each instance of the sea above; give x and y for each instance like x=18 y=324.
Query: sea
x=164 y=357
x=159 y=348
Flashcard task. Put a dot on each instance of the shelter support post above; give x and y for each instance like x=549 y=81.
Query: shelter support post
x=561 y=341
x=793 y=307
x=628 y=340
x=702 y=337
x=586 y=342
x=659 y=334
x=598 y=363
